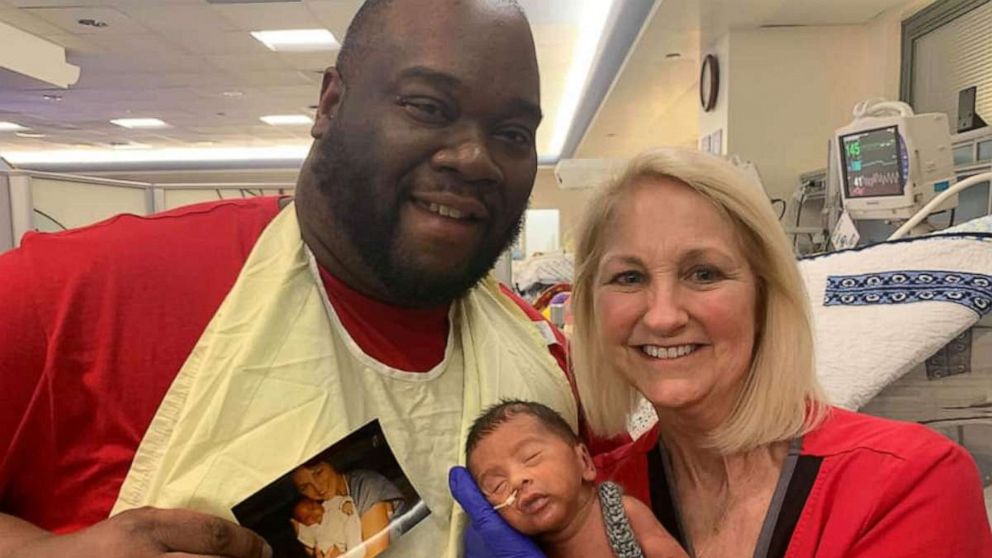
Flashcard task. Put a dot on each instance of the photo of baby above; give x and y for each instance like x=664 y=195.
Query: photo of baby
x=351 y=500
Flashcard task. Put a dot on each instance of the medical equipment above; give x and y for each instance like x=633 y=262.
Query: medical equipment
x=810 y=225
x=892 y=162
x=510 y=500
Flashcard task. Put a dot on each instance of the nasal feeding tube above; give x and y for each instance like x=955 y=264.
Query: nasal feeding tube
x=510 y=500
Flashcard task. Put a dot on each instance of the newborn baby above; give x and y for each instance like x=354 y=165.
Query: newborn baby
x=535 y=471
x=330 y=527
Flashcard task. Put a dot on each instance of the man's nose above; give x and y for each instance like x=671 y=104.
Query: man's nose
x=469 y=155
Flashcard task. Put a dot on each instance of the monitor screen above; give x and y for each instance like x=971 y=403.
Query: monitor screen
x=872 y=163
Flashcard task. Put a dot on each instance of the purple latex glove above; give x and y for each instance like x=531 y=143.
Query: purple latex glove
x=488 y=535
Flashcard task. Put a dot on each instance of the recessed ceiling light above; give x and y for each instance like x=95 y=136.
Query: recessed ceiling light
x=287 y=120
x=29 y=135
x=140 y=123
x=90 y=22
x=51 y=97
x=233 y=94
x=298 y=40
x=10 y=127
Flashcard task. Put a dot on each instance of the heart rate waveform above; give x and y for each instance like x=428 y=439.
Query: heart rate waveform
x=877 y=180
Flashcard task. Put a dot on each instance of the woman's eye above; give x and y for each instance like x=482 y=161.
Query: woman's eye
x=627 y=278
x=705 y=274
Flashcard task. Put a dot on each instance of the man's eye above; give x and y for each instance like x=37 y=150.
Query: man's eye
x=517 y=136
x=424 y=108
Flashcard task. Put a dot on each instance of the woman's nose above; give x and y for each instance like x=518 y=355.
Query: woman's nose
x=665 y=313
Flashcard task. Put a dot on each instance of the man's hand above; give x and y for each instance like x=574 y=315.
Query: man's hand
x=487 y=535
x=149 y=532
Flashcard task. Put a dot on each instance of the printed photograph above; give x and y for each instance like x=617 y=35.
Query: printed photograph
x=351 y=500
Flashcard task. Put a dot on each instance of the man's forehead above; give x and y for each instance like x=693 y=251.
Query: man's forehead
x=448 y=35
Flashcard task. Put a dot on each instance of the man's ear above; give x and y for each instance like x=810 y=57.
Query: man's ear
x=331 y=92
x=588 y=467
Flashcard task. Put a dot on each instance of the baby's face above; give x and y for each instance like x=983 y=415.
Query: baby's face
x=547 y=473
x=309 y=512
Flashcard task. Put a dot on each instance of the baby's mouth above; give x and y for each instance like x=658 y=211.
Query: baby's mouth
x=533 y=503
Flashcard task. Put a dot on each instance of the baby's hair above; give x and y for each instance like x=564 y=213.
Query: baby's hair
x=494 y=417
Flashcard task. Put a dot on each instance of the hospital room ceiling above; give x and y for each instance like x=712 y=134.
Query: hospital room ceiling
x=194 y=65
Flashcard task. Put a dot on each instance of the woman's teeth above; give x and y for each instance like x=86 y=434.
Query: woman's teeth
x=664 y=353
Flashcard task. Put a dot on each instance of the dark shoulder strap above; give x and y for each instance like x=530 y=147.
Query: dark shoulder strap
x=803 y=478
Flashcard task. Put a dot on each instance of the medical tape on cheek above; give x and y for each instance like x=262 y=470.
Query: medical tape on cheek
x=510 y=500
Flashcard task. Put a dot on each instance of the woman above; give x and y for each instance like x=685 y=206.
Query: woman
x=687 y=294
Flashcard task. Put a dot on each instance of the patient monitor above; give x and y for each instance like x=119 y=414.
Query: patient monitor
x=892 y=162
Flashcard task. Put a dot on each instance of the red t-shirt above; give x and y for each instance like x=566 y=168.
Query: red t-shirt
x=862 y=487
x=96 y=322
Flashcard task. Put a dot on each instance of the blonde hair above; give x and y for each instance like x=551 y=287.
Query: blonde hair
x=780 y=398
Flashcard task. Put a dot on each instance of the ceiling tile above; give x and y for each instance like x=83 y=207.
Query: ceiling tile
x=68 y=19
x=256 y=17
x=74 y=44
x=28 y=22
x=219 y=43
x=334 y=15
x=179 y=20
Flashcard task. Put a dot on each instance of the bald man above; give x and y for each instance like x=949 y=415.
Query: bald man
x=159 y=370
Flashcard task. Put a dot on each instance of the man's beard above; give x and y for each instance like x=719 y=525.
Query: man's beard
x=344 y=175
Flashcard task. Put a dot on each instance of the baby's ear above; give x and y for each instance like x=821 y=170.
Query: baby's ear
x=588 y=467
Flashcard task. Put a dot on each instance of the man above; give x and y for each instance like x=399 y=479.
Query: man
x=162 y=369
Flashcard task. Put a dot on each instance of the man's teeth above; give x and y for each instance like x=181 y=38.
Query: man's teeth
x=445 y=211
x=654 y=351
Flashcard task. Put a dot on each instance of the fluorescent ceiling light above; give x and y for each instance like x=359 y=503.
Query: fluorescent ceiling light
x=298 y=40
x=139 y=123
x=10 y=127
x=67 y=156
x=130 y=145
x=287 y=120
x=29 y=135
x=592 y=27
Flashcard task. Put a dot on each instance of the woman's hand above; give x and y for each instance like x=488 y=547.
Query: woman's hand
x=487 y=535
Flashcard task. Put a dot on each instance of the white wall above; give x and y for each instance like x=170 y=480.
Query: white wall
x=76 y=204
x=791 y=88
x=785 y=90
x=570 y=203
